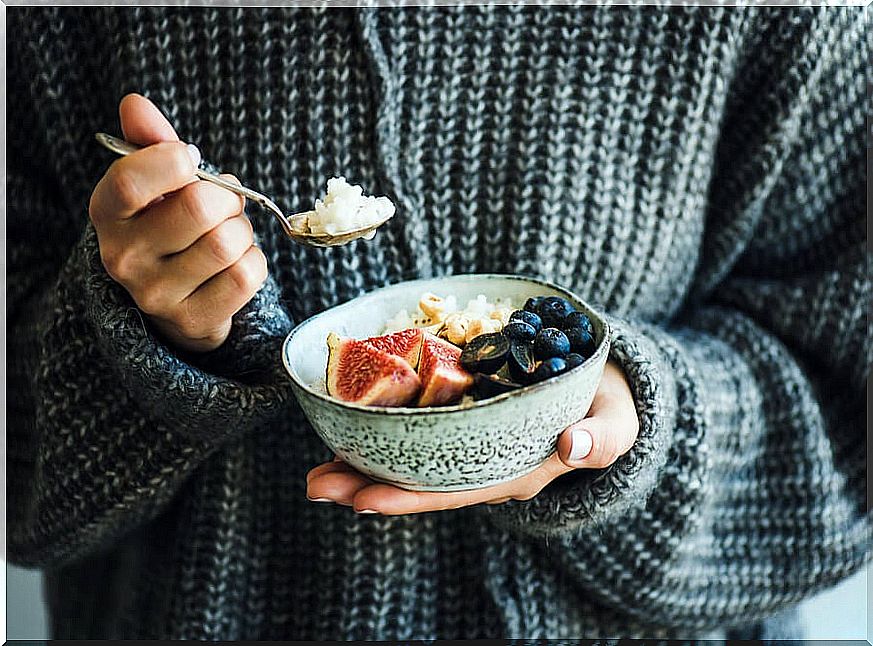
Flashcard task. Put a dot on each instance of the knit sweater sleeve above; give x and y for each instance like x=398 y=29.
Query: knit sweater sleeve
x=106 y=422
x=745 y=490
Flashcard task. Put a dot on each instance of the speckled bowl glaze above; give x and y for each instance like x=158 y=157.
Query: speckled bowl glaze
x=447 y=448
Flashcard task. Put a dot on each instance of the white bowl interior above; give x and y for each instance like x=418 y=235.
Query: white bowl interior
x=306 y=351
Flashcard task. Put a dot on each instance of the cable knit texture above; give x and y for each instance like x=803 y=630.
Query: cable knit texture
x=695 y=172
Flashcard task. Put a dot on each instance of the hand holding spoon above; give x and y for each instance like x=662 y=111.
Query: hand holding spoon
x=295 y=226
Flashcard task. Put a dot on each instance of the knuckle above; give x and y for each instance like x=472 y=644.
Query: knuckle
x=124 y=186
x=533 y=488
x=223 y=246
x=235 y=202
x=249 y=272
x=179 y=161
x=242 y=276
x=261 y=269
x=194 y=201
x=248 y=231
x=119 y=262
x=109 y=258
x=93 y=205
x=151 y=299
x=605 y=456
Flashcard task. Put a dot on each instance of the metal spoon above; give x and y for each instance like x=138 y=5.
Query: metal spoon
x=295 y=226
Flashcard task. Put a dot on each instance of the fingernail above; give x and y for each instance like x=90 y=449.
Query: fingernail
x=366 y=511
x=580 y=444
x=194 y=153
x=320 y=500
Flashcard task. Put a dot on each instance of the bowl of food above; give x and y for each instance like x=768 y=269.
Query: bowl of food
x=450 y=383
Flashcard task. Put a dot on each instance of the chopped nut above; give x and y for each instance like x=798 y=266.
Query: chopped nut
x=456 y=328
x=437 y=329
x=473 y=330
x=481 y=326
x=433 y=306
x=502 y=314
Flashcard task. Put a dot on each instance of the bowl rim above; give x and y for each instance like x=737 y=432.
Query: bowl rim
x=602 y=348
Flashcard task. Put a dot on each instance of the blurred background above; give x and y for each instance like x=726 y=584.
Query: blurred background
x=840 y=613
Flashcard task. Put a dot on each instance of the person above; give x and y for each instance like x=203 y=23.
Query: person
x=697 y=173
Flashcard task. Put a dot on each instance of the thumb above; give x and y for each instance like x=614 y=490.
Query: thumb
x=609 y=431
x=142 y=123
x=597 y=441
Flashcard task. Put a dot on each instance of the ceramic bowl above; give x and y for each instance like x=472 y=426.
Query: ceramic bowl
x=446 y=448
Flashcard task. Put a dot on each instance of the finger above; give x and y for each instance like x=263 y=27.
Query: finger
x=138 y=179
x=183 y=273
x=142 y=123
x=390 y=500
x=598 y=441
x=337 y=486
x=327 y=467
x=223 y=295
x=177 y=222
x=200 y=343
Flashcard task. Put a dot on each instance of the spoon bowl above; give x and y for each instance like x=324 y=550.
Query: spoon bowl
x=299 y=225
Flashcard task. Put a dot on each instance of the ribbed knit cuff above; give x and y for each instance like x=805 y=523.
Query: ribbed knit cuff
x=254 y=344
x=588 y=496
x=239 y=384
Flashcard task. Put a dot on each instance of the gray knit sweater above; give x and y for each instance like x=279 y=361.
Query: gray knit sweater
x=697 y=173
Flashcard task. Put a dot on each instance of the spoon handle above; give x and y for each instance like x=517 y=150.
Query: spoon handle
x=121 y=147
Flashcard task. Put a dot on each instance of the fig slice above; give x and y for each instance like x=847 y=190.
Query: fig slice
x=443 y=380
x=405 y=344
x=361 y=373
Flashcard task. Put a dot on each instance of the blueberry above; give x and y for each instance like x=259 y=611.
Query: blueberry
x=520 y=361
x=550 y=368
x=530 y=318
x=485 y=353
x=485 y=386
x=551 y=342
x=519 y=330
x=553 y=310
x=533 y=304
x=581 y=342
x=575 y=320
x=574 y=360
